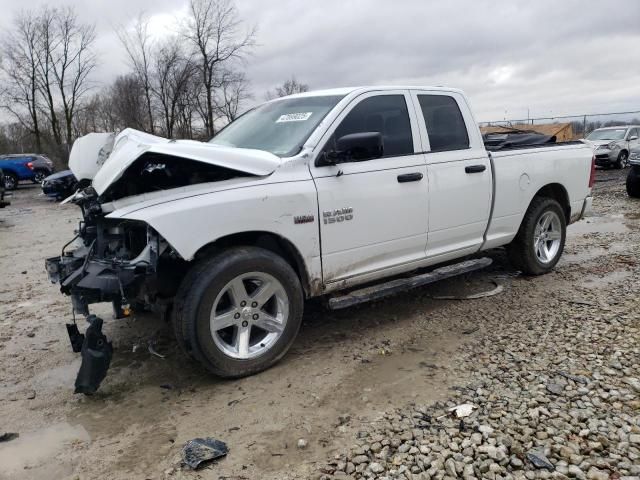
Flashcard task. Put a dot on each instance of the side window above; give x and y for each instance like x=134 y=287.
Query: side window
x=386 y=114
x=445 y=125
x=635 y=132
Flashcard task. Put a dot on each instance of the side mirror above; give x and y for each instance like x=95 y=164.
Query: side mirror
x=634 y=137
x=360 y=146
x=355 y=147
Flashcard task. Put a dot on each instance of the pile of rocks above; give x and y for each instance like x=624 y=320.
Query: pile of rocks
x=557 y=395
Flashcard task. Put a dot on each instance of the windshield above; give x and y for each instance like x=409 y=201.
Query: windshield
x=608 y=134
x=280 y=127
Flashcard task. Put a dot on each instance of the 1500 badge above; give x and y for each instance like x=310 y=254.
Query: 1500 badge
x=338 y=215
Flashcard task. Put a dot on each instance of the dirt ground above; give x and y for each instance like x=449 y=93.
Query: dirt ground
x=344 y=370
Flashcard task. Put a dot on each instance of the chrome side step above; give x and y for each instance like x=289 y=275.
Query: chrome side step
x=382 y=290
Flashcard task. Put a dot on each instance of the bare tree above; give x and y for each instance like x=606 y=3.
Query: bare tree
x=139 y=47
x=188 y=108
x=47 y=42
x=96 y=115
x=232 y=93
x=73 y=61
x=214 y=31
x=65 y=62
x=20 y=66
x=172 y=71
x=289 y=87
x=126 y=97
x=116 y=107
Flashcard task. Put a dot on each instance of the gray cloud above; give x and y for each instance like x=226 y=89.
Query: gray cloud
x=551 y=57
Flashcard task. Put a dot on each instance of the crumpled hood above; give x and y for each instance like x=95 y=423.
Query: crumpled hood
x=130 y=144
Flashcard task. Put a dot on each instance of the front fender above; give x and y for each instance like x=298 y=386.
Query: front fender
x=190 y=223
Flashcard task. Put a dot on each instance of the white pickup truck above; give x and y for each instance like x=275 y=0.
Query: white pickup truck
x=313 y=194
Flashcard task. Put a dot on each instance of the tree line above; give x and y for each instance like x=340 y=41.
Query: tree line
x=185 y=84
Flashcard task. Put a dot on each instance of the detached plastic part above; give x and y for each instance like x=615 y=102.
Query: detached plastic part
x=75 y=337
x=96 y=358
x=200 y=450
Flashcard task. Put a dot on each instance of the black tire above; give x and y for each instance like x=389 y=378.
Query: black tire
x=623 y=157
x=197 y=294
x=10 y=181
x=38 y=176
x=522 y=250
x=633 y=183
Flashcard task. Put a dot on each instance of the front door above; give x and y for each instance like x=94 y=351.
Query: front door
x=373 y=213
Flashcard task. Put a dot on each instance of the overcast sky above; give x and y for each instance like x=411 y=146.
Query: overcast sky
x=550 y=57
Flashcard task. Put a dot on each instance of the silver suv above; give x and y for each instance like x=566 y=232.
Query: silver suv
x=611 y=145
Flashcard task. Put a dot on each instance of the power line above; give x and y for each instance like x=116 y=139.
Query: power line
x=529 y=120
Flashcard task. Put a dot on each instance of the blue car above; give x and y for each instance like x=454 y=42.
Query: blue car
x=31 y=167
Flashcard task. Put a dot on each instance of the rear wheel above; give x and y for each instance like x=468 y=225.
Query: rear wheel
x=239 y=311
x=540 y=241
x=39 y=176
x=633 y=183
x=10 y=181
x=623 y=159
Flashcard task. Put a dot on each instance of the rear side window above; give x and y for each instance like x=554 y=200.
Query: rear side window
x=445 y=125
x=386 y=114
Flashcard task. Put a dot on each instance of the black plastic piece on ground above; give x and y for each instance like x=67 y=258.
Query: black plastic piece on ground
x=96 y=358
x=200 y=450
x=75 y=337
x=8 y=436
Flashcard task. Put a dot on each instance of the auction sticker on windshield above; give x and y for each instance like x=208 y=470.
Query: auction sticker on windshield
x=294 y=117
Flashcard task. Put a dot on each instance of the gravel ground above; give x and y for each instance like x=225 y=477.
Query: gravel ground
x=553 y=387
x=550 y=365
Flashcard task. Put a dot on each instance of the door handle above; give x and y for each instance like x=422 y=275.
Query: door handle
x=409 y=177
x=475 y=168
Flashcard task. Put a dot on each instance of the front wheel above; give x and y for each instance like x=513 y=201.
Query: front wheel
x=623 y=160
x=540 y=241
x=239 y=311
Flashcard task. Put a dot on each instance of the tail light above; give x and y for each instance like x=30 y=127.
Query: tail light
x=30 y=166
x=592 y=176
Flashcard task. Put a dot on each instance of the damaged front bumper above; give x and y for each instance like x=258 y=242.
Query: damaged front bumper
x=93 y=280
x=89 y=276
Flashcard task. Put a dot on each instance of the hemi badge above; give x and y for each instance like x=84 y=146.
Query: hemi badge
x=303 y=219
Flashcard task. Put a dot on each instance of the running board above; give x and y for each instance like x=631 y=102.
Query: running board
x=382 y=290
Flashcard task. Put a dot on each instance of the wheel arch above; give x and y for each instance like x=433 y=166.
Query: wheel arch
x=273 y=242
x=10 y=171
x=557 y=192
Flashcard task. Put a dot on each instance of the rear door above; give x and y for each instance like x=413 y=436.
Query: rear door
x=373 y=213
x=459 y=172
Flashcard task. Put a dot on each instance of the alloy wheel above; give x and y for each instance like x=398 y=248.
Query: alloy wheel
x=249 y=315
x=547 y=237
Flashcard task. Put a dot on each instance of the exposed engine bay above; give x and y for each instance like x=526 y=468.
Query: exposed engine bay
x=154 y=171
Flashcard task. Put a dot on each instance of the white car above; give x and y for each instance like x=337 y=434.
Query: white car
x=611 y=145
x=309 y=195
